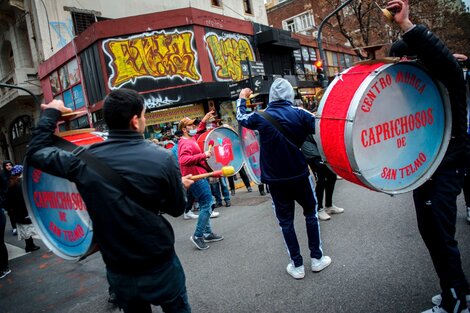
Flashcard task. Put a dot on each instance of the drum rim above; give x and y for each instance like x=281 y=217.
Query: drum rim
x=45 y=237
x=209 y=131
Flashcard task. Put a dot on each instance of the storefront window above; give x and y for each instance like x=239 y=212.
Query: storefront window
x=66 y=85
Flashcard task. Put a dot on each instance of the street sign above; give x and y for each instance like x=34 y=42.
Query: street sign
x=257 y=86
x=257 y=68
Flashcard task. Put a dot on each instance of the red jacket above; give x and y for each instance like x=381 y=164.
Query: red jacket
x=191 y=159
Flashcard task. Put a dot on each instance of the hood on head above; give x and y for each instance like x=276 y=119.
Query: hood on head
x=5 y=163
x=281 y=89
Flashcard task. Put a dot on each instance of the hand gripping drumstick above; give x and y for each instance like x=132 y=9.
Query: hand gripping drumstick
x=211 y=144
x=225 y=171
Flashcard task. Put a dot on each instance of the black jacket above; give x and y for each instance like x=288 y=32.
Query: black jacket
x=442 y=65
x=132 y=239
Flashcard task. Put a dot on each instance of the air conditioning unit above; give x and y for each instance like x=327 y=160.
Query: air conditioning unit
x=315 y=34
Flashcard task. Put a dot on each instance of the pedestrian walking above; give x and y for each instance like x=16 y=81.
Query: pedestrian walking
x=7 y=166
x=136 y=241
x=435 y=200
x=325 y=179
x=16 y=205
x=287 y=176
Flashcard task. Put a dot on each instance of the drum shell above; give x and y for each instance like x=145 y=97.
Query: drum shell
x=57 y=210
x=398 y=91
x=251 y=153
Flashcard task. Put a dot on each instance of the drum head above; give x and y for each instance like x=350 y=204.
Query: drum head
x=251 y=153
x=226 y=151
x=58 y=213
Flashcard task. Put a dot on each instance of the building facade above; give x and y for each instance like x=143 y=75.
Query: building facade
x=33 y=32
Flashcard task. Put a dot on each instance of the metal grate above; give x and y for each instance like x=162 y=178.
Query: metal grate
x=82 y=21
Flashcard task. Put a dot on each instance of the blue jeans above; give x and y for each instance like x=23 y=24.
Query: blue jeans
x=284 y=196
x=201 y=191
x=164 y=286
x=215 y=188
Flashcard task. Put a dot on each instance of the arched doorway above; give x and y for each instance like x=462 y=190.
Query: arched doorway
x=20 y=135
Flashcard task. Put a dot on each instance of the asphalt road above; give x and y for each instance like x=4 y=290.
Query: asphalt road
x=380 y=263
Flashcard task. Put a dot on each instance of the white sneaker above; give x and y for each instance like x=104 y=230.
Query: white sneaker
x=214 y=214
x=468 y=214
x=190 y=216
x=320 y=264
x=323 y=216
x=437 y=299
x=334 y=210
x=296 y=272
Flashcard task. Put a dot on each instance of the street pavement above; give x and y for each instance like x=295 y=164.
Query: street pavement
x=380 y=263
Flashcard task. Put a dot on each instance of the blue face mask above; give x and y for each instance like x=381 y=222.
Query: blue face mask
x=192 y=132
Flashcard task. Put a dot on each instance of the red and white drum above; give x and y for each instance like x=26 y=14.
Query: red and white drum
x=56 y=208
x=384 y=126
x=226 y=148
x=251 y=153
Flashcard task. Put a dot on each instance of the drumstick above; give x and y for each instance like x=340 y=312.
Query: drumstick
x=225 y=171
x=211 y=144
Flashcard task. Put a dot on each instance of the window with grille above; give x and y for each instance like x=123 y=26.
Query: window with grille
x=82 y=21
x=216 y=3
x=299 y=23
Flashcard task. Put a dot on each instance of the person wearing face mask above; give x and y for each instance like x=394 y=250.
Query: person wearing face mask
x=193 y=161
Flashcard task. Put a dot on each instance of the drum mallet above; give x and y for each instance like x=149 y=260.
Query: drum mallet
x=211 y=144
x=225 y=171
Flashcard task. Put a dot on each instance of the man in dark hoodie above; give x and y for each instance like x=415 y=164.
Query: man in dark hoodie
x=435 y=200
x=7 y=166
x=288 y=177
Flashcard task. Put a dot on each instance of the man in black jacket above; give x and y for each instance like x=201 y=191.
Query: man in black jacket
x=435 y=201
x=136 y=242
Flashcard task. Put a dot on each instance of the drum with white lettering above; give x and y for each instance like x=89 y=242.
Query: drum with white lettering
x=385 y=126
x=226 y=148
x=56 y=208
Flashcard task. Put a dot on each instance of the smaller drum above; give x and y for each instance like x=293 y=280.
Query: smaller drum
x=385 y=126
x=251 y=153
x=56 y=208
x=226 y=150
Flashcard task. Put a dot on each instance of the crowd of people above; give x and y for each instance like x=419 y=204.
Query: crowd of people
x=150 y=273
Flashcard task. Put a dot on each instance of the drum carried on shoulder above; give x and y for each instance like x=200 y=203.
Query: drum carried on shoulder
x=56 y=208
x=385 y=126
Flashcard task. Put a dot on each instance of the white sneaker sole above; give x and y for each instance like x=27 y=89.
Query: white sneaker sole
x=320 y=268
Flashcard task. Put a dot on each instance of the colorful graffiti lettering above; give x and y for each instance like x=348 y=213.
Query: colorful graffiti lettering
x=159 y=55
x=226 y=51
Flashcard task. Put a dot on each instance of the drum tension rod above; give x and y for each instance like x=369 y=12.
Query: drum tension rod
x=334 y=118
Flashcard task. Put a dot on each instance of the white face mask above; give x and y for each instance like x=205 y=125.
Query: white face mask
x=192 y=132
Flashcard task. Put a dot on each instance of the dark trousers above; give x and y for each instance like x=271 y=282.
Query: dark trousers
x=244 y=177
x=3 y=248
x=326 y=181
x=466 y=185
x=164 y=286
x=436 y=211
x=284 y=197
x=189 y=202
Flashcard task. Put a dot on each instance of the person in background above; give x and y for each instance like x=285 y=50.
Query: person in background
x=193 y=161
x=436 y=200
x=4 y=268
x=219 y=184
x=245 y=179
x=465 y=62
x=288 y=177
x=135 y=240
x=16 y=205
x=4 y=179
x=325 y=178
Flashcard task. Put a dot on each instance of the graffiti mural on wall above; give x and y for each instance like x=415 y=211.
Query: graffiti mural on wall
x=64 y=32
x=226 y=51
x=157 y=55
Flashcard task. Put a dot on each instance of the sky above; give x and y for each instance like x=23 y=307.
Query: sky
x=467 y=2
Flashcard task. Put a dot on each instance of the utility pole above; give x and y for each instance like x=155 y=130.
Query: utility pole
x=319 y=39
